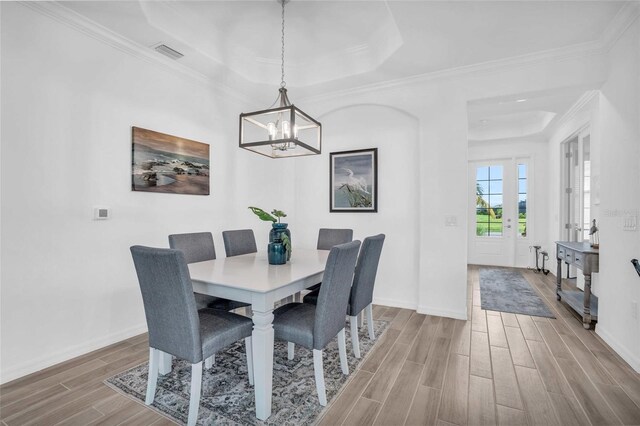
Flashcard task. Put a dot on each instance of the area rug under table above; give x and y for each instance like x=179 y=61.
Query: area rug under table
x=228 y=399
x=506 y=290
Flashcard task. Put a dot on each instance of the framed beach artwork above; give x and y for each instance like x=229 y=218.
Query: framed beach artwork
x=353 y=181
x=168 y=164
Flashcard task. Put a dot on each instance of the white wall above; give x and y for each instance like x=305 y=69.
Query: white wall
x=68 y=104
x=620 y=196
x=612 y=116
x=395 y=134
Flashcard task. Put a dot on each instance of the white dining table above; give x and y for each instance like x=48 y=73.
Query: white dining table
x=249 y=278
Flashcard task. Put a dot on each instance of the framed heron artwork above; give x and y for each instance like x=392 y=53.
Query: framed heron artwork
x=168 y=164
x=353 y=181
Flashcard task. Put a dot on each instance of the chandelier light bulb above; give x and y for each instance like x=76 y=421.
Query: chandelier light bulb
x=286 y=129
x=271 y=129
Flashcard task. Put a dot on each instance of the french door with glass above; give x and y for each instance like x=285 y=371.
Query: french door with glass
x=575 y=205
x=499 y=221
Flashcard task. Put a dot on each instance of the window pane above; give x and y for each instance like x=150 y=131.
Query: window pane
x=495 y=230
x=489 y=201
x=522 y=186
x=482 y=215
x=495 y=187
x=522 y=203
x=482 y=187
x=482 y=173
x=482 y=202
x=522 y=171
x=495 y=172
x=522 y=200
x=522 y=229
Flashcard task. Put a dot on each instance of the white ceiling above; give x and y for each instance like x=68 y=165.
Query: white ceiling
x=337 y=45
x=334 y=45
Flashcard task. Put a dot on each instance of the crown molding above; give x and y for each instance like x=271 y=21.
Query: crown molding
x=489 y=67
x=86 y=26
x=625 y=17
x=573 y=111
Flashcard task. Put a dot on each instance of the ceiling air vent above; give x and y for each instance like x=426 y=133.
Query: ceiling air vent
x=167 y=51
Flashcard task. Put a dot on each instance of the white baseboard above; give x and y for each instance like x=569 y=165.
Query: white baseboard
x=430 y=310
x=394 y=303
x=632 y=359
x=44 y=361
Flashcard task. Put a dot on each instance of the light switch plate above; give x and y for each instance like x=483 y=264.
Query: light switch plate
x=451 y=221
x=630 y=223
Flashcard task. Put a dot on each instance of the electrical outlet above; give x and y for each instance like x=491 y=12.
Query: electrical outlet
x=634 y=309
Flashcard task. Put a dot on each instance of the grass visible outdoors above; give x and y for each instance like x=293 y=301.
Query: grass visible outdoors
x=486 y=224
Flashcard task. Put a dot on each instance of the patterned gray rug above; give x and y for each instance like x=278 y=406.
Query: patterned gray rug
x=228 y=399
x=506 y=290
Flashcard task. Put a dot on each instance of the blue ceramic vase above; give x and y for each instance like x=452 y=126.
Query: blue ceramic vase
x=277 y=254
x=275 y=235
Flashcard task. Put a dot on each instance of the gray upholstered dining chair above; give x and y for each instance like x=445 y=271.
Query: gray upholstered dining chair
x=314 y=326
x=176 y=326
x=361 y=296
x=240 y=241
x=329 y=237
x=199 y=247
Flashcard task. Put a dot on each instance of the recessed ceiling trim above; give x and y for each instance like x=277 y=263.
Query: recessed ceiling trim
x=623 y=19
x=554 y=55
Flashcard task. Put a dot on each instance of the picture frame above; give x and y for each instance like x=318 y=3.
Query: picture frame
x=168 y=164
x=353 y=181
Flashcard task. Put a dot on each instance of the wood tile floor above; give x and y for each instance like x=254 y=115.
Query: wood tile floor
x=496 y=368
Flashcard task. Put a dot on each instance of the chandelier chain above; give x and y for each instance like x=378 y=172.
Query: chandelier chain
x=282 y=82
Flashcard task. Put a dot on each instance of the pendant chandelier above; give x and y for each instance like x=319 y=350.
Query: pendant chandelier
x=280 y=131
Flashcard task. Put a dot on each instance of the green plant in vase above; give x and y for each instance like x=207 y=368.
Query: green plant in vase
x=279 y=233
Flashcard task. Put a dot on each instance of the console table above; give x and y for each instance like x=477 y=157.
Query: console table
x=584 y=257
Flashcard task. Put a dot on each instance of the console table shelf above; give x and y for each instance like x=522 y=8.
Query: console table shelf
x=586 y=258
x=575 y=299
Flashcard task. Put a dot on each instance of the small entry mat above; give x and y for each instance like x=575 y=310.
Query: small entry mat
x=506 y=290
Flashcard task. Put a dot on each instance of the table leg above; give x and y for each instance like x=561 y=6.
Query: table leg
x=586 y=317
x=263 y=361
x=559 y=278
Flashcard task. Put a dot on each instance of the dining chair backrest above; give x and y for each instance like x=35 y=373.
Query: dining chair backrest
x=328 y=237
x=364 y=277
x=237 y=242
x=196 y=246
x=334 y=293
x=169 y=304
